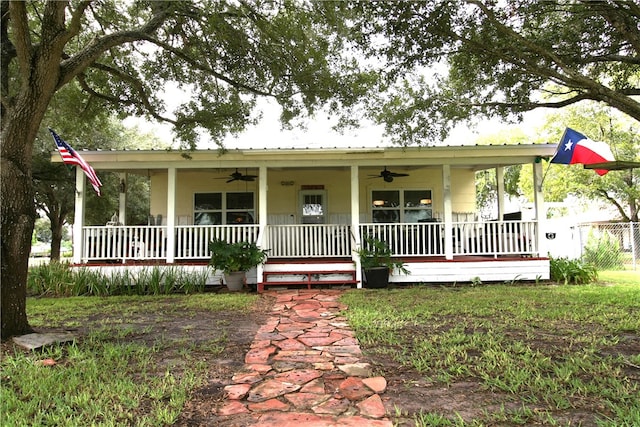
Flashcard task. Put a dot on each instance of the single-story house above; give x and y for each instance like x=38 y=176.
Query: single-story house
x=311 y=207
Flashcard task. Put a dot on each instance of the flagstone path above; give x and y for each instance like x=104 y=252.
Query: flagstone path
x=304 y=368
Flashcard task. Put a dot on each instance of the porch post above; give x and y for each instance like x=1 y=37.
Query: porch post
x=171 y=214
x=448 y=212
x=500 y=188
x=355 y=221
x=541 y=214
x=122 y=201
x=262 y=216
x=78 y=218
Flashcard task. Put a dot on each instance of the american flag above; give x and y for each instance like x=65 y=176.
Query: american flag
x=71 y=157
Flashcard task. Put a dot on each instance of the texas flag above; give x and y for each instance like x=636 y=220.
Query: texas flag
x=574 y=147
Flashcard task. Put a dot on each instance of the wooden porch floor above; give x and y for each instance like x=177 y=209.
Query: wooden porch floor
x=429 y=259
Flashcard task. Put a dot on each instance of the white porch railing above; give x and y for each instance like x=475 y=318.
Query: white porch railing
x=309 y=240
x=122 y=243
x=493 y=238
x=192 y=241
x=469 y=238
x=406 y=240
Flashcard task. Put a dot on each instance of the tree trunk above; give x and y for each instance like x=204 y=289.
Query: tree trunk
x=57 y=214
x=56 y=239
x=18 y=217
x=19 y=129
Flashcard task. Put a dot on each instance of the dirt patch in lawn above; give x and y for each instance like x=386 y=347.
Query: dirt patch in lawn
x=409 y=393
x=220 y=339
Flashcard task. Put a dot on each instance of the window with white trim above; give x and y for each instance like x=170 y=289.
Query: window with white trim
x=223 y=208
x=392 y=206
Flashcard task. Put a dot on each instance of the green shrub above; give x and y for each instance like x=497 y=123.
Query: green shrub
x=54 y=278
x=603 y=251
x=59 y=279
x=572 y=271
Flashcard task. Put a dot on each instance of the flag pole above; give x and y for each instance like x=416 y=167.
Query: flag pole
x=545 y=174
x=554 y=155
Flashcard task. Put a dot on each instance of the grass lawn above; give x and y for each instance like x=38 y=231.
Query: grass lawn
x=505 y=355
x=620 y=277
x=490 y=355
x=138 y=360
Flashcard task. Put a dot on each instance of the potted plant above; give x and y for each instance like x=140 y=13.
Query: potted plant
x=234 y=260
x=377 y=262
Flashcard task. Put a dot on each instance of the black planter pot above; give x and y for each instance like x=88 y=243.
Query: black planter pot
x=377 y=277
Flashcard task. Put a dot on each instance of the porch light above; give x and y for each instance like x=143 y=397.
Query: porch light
x=425 y=201
x=123 y=186
x=378 y=203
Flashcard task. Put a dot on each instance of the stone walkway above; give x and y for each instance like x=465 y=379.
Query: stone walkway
x=304 y=369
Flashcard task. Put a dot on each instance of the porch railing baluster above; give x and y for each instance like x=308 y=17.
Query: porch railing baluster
x=494 y=238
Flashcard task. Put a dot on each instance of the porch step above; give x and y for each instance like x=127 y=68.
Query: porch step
x=307 y=278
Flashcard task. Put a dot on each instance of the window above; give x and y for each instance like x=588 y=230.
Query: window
x=401 y=206
x=223 y=208
x=313 y=207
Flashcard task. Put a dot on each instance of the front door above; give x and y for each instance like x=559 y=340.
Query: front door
x=313 y=206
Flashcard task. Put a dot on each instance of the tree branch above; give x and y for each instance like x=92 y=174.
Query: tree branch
x=203 y=67
x=526 y=106
x=76 y=19
x=75 y=64
x=135 y=83
x=627 y=28
x=615 y=203
x=21 y=37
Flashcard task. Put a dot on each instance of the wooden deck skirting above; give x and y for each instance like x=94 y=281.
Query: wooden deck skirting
x=309 y=278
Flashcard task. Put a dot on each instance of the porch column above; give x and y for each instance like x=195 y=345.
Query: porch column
x=262 y=216
x=541 y=214
x=78 y=218
x=171 y=214
x=122 y=201
x=355 y=221
x=448 y=211
x=500 y=188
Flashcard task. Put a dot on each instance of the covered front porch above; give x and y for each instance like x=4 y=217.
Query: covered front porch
x=317 y=207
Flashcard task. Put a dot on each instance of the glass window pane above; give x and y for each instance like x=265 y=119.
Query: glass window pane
x=417 y=215
x=240 y=217
x=386 y=215
x=207 y=218
x=239 y=200
x=207 y=201
x=419 y=198
x=312 y=205
x=385 y=199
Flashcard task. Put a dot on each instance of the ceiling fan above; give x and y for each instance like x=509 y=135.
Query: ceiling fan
x=239 y=176
x=387 y=175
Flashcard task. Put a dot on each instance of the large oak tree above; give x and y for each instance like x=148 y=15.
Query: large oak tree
x=449 y=61
x=124 y=54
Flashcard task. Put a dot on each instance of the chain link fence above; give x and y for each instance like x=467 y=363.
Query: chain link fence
x=610 y=246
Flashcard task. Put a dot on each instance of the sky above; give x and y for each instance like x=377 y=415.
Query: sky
x=319 y=133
